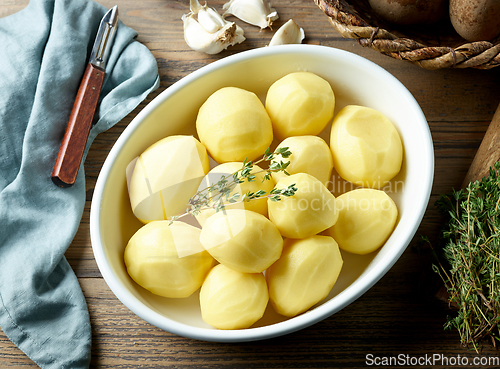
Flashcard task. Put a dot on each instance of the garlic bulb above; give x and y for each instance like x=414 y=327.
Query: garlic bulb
x=288 y=33
x=256 y=12
x=209 y=33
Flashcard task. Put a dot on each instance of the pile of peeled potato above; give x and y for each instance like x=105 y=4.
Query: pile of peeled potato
x=474 y=20
x=250 y=254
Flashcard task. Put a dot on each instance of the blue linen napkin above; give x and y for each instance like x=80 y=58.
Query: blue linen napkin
x=43 y=53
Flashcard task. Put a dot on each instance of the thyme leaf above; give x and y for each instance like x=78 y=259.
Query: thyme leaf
x=219 y=194
x=468 y=259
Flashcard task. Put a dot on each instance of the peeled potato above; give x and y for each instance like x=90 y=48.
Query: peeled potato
x=366 y=147
x=304 y=275
x=310 y=154
x=231 y=299
x=242 y=240
x=309 y=211
x=300 y=103
x=366 y=219
x=167 y=259
x=226 y=170
x=234 y=125
x=165 y=176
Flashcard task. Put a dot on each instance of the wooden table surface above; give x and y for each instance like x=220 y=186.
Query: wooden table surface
x=398 y=316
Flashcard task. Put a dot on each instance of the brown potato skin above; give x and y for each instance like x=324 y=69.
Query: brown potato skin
x=476 y=20
x=407 y=12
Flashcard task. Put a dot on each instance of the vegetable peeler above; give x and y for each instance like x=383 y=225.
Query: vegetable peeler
x=75 y=138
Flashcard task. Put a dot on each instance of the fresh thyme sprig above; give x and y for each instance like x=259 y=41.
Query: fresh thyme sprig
x=468 y=260
x=219 y=194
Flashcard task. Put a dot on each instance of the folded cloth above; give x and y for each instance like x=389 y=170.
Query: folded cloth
x=43 y=52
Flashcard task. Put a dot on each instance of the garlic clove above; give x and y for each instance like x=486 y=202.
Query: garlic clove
x=199 y=39
x=207 y=17
x=209 y=33
x=208 y=22
x=195 y=6
x=216 y=17
x=256 y=12
x=288 y=33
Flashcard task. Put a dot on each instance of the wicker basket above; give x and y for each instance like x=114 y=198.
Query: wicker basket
x=431 y=47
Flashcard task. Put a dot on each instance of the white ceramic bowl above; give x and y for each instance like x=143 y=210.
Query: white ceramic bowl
x=354 y=80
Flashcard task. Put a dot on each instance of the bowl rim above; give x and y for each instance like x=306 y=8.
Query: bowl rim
x=344 y=298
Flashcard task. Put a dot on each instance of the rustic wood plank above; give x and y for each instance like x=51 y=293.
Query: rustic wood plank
x=399 y=323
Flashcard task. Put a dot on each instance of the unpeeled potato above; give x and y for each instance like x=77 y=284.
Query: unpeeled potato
x=476 y=20
x=367 y=217
x=304 y=275
x=165 y=176
x=167 y=259
x=231 y=299
x=366 y=147
x=405 y=12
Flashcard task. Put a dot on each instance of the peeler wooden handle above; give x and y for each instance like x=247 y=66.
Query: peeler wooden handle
x=75 y=138
x=488 y=152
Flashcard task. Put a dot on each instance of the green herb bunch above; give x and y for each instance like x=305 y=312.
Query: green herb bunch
x=222 y=193
x=469 y=258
